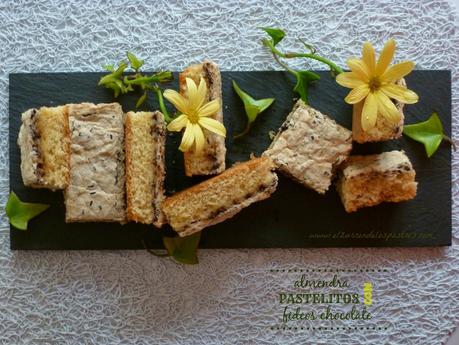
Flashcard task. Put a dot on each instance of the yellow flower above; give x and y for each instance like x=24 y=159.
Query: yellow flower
x=195 y=115
x=374 y=83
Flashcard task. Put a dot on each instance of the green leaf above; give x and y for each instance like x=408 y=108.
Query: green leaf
x=430 y=133
x=276 y=34
x=253 y=107
x=114 y=81
x=303 y=80
x=135 y=63
x=109 y=68
x=19 y=213
x=183 y=249
x=141 y=100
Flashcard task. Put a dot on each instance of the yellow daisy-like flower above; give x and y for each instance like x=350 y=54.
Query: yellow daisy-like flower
x=195 y=115
x=374 y=83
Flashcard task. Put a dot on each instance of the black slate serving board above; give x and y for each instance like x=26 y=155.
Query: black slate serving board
x=294 y=216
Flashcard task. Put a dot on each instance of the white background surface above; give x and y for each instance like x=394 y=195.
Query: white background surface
x=127 y=297
x=456 y=5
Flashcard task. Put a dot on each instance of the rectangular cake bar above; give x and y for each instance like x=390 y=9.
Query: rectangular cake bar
x=44 y=142
x=96 y=188
x=220 y=197
x=145 y=136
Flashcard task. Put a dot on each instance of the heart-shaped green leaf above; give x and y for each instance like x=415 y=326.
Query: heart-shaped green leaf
x=253 y=107
x=135 y=63
x=430 y=133
x=303 y=80
x=276 y=34
x=183 y=249
x=19 y=213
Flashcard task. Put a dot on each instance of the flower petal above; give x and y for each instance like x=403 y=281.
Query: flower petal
x=357 y=94
x=187 y=138
x=387 y=108
x=368 y=56
x=177 y=124
x=369 y=112
x=213 y=126
x=349 y=79
x=180 y=102
x=202 y=93
x=385 y=57
x=400 y=93
x=359 y=68
x=192 y=91
x=209 y=108
x=397 y=71
x=199 y=138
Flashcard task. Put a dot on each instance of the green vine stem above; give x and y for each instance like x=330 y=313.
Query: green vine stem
x=451 y=141
x=277 y=53
x=162 y=105
x=244 y=132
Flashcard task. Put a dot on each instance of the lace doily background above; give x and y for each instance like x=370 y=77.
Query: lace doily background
x=123 y=297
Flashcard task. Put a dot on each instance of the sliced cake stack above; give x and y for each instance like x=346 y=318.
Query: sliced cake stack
x=80 y=148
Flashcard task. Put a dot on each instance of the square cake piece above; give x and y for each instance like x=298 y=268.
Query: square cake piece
x=44 y=141
x=309 y=147
x=145 y=136
x=96 y=188
x=383 y=130
x=211 y=160
x=373 y=179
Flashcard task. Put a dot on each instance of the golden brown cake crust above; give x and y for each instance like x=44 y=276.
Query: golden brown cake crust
x=219 y=211
x=212 y=160
x=58 y=175
x=158 y=137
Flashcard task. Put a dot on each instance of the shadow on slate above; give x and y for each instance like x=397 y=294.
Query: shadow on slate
x=294 y=216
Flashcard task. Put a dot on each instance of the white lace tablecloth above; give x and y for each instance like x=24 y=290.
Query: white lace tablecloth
x=231 y=297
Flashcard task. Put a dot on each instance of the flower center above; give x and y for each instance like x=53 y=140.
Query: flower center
x=193 y=117
x=374 y=84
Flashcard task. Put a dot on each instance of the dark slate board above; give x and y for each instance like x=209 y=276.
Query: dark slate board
x=293 y=214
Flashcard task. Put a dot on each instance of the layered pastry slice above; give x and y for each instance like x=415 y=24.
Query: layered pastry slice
x=96 y=187
x=211 y=160
x=145 y=137
x=44 y=143
x=309 y=147
x=221 y=197
x=370 y=180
